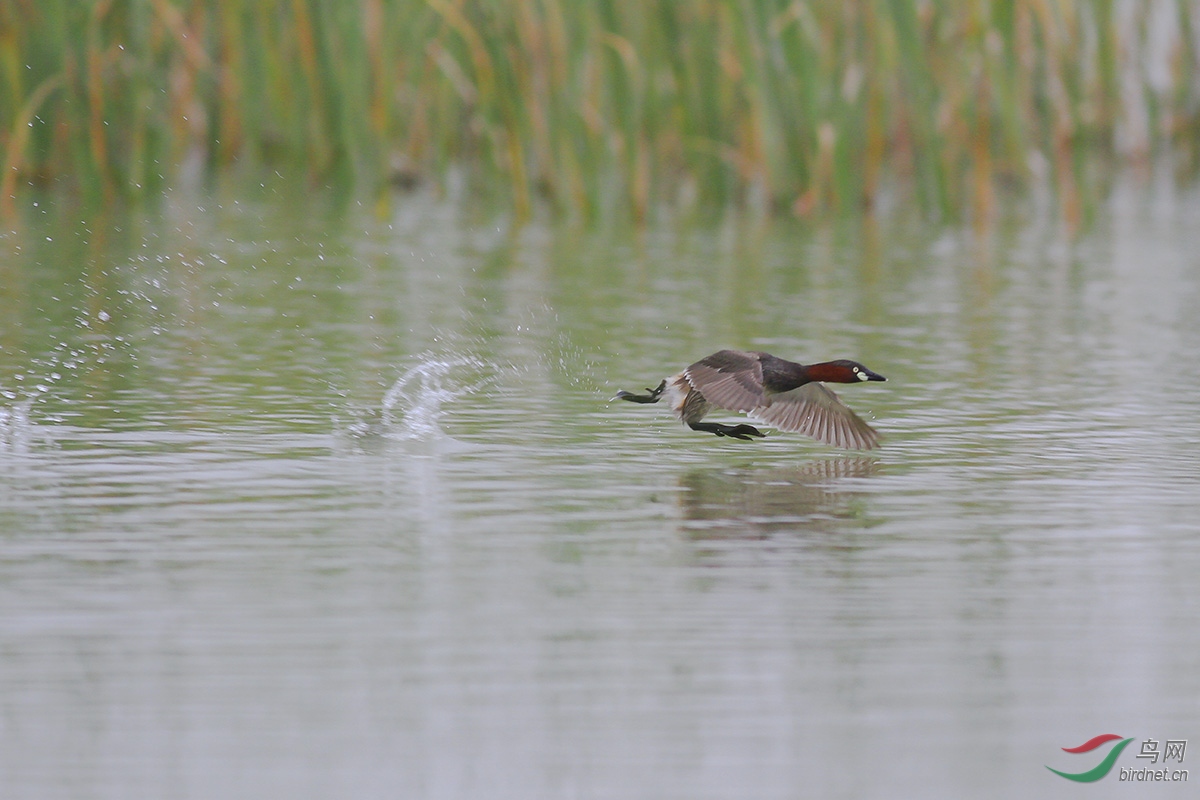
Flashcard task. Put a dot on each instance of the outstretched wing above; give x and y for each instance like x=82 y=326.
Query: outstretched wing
x=730 y=379
x=814 y=410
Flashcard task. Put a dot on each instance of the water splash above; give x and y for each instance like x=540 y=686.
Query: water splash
x=414 y=405
x=31 y=386
x=19 y=432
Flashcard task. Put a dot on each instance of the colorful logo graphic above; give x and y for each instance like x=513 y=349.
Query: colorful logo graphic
x=1100 y=770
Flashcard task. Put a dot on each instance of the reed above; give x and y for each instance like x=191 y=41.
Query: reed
x=629 y=104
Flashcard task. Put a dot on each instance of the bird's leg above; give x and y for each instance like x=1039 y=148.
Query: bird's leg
x=743 y=432
x=652 y=397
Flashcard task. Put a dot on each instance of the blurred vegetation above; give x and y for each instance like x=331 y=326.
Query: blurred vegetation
x=780 y=104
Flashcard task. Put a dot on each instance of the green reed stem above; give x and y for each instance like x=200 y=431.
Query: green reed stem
x=625 y=104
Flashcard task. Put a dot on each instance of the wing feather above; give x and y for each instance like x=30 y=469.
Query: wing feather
x=816 y=411
x=729 y=379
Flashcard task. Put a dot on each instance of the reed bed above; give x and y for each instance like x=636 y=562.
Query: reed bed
x=783 y=105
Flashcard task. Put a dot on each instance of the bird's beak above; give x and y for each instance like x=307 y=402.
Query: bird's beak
x=875 y=376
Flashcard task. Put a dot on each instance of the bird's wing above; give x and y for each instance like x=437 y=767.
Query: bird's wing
x=729 y=379
x=814 y=410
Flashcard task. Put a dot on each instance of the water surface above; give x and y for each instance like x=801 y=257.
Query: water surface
x=308 y=501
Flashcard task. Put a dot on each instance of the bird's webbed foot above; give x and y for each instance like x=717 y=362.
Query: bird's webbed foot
x=652 y=396
x=743 y=431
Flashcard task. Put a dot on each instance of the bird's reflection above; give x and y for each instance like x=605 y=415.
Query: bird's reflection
x=757 y=502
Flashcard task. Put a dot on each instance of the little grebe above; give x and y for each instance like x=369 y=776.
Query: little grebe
x=779 y=392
